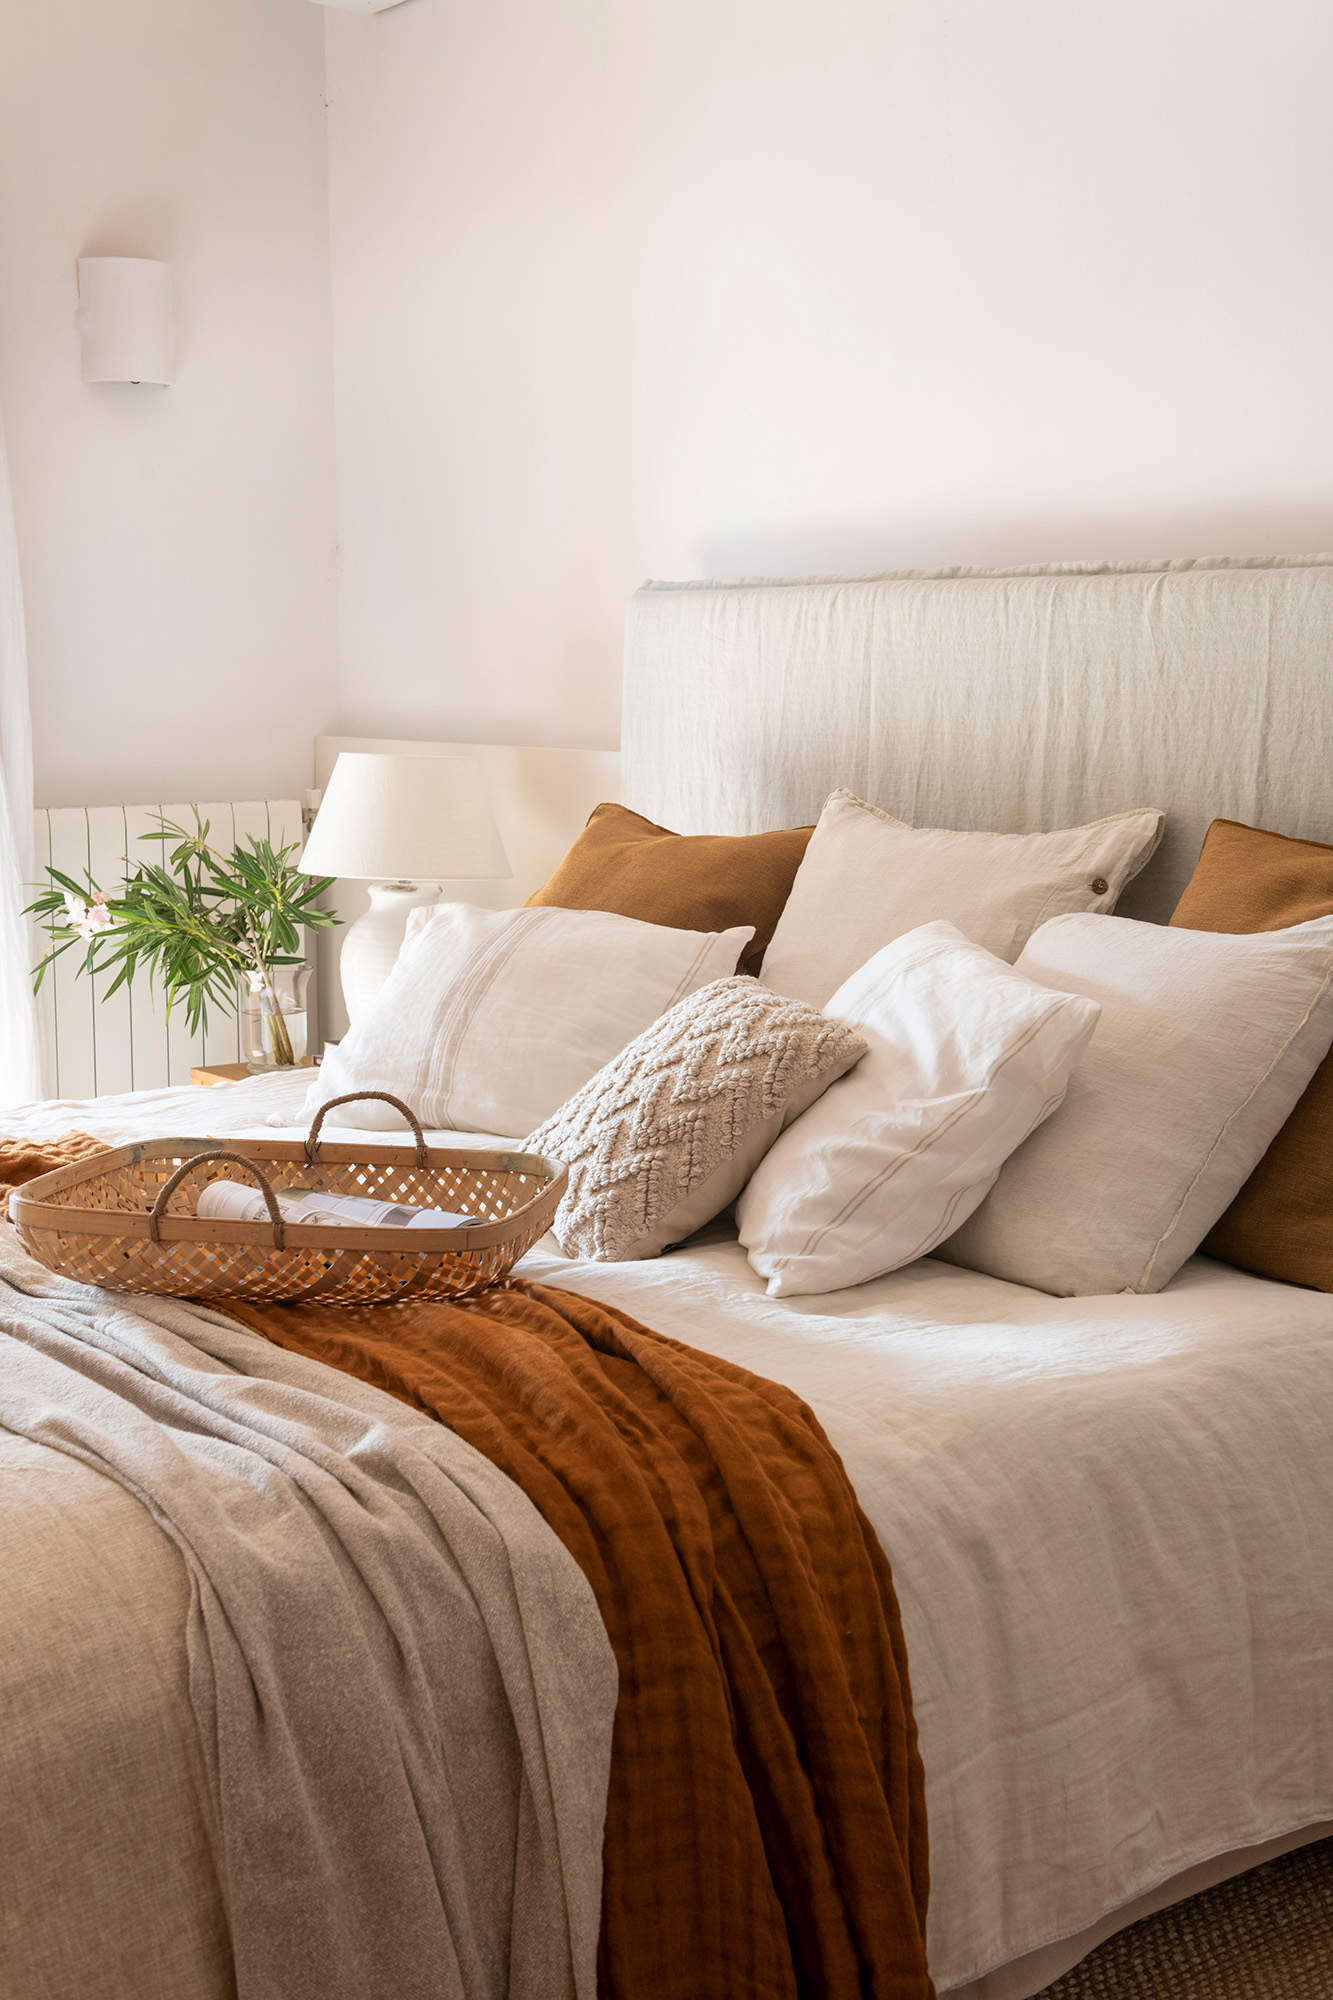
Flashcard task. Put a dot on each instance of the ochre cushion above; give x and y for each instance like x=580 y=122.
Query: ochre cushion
x=1281 y=1222
x=692 y=881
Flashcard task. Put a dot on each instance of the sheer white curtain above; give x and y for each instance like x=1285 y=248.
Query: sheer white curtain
x=20 y=1065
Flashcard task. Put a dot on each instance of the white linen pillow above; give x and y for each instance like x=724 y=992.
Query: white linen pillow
x=1207 y=1039
x=492 y=1018
x=667 y=1134
x=867 y=878
x=965 y=1057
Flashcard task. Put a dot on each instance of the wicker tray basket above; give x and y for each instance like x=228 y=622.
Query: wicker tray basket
x=106 y=1220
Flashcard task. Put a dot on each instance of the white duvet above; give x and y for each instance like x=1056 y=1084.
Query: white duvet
x=1110 y=1522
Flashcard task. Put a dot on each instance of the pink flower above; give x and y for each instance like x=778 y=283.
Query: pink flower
x=88 y=919
x=94 y=921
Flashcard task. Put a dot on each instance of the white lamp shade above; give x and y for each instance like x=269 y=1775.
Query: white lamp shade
x=405 y=819
x=126 y=321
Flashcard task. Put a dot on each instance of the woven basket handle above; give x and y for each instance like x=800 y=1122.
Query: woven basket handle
x=168 y=1188
x=360 y=1097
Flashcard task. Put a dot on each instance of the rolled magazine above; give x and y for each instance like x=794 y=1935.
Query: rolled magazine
x=236 y=1201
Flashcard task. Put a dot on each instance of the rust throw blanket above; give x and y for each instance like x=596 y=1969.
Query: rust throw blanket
x=766 y=1833
x=22 y=1160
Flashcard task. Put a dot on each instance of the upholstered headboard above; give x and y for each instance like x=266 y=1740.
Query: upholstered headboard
x=1013 y=699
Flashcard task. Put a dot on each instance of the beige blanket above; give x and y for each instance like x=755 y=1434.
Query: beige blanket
x=359 y=1577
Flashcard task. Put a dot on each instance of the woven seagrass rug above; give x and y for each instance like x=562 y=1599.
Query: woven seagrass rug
x=1265 y=1935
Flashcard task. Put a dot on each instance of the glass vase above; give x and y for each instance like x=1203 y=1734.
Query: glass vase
x=273 y=1019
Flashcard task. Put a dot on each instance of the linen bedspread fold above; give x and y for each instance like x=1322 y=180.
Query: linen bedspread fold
x=765 y=1833
x=403 y=1687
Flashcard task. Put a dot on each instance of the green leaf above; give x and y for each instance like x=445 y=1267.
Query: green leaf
x=193 y=919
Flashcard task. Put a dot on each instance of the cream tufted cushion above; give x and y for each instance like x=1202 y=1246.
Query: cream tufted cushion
x=667 y=1134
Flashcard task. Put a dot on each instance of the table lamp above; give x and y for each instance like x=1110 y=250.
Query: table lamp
x=403 y=824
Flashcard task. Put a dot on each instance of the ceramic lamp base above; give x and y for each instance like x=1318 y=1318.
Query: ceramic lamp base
x=371 y=945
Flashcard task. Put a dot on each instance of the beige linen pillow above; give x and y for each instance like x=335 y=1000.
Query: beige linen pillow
x=868 y=878
x=664 y=1138
x=492 y=1018
x=1206 y=1041
x=966 y=1057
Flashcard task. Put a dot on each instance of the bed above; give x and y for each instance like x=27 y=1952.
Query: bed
x=1108 y=1518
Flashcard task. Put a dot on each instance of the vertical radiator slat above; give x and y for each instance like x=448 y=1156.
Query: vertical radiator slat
x=74 y=1001
x=220 y=1042
x=148 y=1015
x=184 y=1049
x=113 y=1027
x=47 y=1038
x=286 y=827
x=250 y=820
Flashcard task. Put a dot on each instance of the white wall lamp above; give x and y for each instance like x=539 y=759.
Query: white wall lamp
x=360 y=6
x=126 y=320
x=404 y=824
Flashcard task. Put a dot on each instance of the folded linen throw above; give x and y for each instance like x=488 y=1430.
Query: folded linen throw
x=403 y=1687
x=765 y=1832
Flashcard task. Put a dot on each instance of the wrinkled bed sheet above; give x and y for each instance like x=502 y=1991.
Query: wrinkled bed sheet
x=1110 y=1522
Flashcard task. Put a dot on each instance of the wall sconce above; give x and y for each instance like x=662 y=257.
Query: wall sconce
x=126 y=320
x=360 y=6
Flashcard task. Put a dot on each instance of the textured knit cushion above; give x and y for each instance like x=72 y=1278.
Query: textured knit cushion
x=1204 y=1045
x=666 y=1136
x=492 y=1018
x=867 y=879
x=966 y=1058
x=1281 y=1222
x=695 y=881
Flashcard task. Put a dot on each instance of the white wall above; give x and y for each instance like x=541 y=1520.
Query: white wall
x=177 y=544
x=483 y=328
x=710 y=287
x=738 y=286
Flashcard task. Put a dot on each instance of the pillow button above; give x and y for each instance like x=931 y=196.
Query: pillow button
x=1100 y=885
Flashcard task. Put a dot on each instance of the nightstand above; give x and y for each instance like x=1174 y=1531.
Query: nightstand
x=237 y=1072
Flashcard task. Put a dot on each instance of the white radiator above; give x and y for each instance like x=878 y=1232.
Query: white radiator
x=92 y=1045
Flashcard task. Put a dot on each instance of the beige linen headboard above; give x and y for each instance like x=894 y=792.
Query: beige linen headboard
x=1013 y=699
